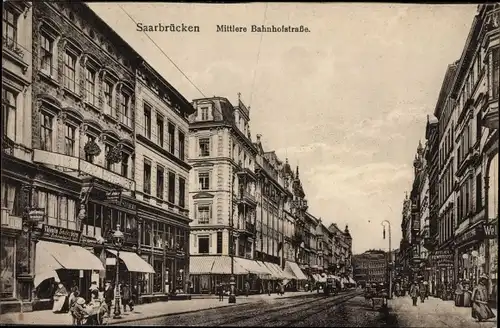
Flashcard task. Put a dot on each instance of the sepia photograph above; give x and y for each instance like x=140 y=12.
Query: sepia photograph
x=258 y=164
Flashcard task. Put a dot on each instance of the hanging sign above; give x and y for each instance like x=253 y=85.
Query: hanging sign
x=491 y=230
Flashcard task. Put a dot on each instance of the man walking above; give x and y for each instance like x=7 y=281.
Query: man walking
x=220 y=292
x=414 y=292
x=108 y=296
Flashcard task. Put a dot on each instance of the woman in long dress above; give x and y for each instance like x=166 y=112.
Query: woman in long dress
x=467 y=298
x=59 y=298
x=480 y=308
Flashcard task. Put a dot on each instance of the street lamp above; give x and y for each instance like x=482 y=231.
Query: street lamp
x=390 y=257
x=118 y=239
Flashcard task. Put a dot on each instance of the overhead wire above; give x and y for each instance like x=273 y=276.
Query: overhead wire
x=258 y=57
x=163 y=52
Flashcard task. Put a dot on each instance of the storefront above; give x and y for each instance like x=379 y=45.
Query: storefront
x=164 y=244
x=59 y=257
x=470 y=260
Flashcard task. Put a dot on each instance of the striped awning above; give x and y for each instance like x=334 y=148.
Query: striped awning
x=251 y=266
x=214 y=265
x=294 y=268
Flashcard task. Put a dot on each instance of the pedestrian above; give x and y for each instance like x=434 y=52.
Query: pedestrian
x=269 y=288
x=108 y=296
x=282 y=289
x=59 y=298
x=135 y=297
x=421 y=289
x=480 y=307
x=72 y=301
x=220 y=292
x=459 y=294
x=78 y=312
x=414 y=292
x=247 y=288
x=126 y=297
x=467 y=301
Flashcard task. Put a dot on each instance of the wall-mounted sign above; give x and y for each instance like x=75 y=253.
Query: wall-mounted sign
x=491 y=230
x=60 y=233
x=477 y=233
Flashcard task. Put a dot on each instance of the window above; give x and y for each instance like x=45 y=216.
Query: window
x=67 y=213
x=88 y=157
x=9 y=27
x=204 y=214
x=11 y=199
x=108 y=98
x=204 y=180
x=147 y=121
x=70 y=71
x=219 y=242
x=46 y=131
x=107 y=150
x=171 y=137
x=204 y=147
x=124 y=165
x=9 y=109
x=147 y=178
x=203 y=244
x=181 y=145
x=495 y=73
x=125 y=109
x=204 y=113
x=182 y=192
x=159 y=130
x=69 y=140
x=171 y=187
x=160 y=182
x=46 y=55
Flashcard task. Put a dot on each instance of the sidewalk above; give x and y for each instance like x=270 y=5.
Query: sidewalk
x=143 y=311
x=434 y=312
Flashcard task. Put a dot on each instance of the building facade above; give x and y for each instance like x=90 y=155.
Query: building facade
x=370 y=267
x=76 y=122
x=465 y=139
x=162 y=178
x=16 y=151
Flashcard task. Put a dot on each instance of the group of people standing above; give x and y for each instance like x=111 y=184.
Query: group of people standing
x=477 y=299
x=99 y=300
x=224 y=289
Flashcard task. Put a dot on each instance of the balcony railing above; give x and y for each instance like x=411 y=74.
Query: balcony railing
x=250 y=227
x=246 y=196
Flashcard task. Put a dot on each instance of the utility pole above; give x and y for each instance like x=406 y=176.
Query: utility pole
x=390 y=257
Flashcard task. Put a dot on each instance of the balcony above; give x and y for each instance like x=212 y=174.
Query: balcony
x=246 y=174
x=82 y=166
x=246 y=198
x=490 y=118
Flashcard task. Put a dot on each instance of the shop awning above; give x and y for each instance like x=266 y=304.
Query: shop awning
x=293 y=267
x=133 y=262
x=201 y=264
x=278 y=272
x=352 y=281
x=52 y=256
x=252 y=266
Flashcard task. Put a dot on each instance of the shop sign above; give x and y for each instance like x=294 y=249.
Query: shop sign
x=472 y=234
x=491 y=230
x=441 y=255
x=89 y=240
x=445 y=264
x=60 y=233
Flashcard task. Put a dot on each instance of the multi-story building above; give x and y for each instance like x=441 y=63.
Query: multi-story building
x=476 y=89
x=405 y=249
x=17 y=168
x=161 y=173
x=342 y=252
x=370 y=267
x=430 y=237
x=424 y=213
x=78 y=114
x=310 y=254
x=324 y=239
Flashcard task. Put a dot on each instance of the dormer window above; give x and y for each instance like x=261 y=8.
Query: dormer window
x=204 y=113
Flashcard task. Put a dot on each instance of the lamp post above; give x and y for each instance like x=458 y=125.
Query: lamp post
x=118 y=239
x=390 y=257
x=232 y=281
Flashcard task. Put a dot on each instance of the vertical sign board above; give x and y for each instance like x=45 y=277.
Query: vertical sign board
x=491 y=230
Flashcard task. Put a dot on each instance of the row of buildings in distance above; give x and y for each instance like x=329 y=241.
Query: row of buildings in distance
x=450 y=218
x=94 y=138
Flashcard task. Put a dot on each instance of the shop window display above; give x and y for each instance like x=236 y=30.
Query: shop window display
x=7 y=267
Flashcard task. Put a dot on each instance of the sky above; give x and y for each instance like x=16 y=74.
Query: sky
x=347 y=102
